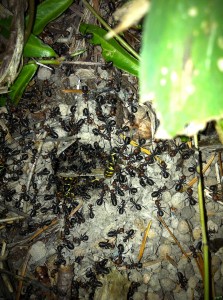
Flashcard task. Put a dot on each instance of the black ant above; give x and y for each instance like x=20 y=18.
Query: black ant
x=91 y=211
x=180 y=183
x=160 y=212
x=193 y=250
x=121 y=208
x=114 y=233
x=191 y=199
x=182 y=280
x=163 y=167
x=135 y=204
x=158 y=194
x=129 y=235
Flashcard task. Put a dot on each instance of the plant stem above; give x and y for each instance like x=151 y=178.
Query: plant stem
x=203 y=223
x=117 y=37
x=31 y=20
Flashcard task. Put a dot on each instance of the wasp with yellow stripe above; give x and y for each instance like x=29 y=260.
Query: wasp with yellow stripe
x=111 y=163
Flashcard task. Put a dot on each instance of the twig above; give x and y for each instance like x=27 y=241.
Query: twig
x=83 y=63
x=4 y=276
x=11 y=219
x=23 y=271
x=203 y=222
x=171 y=260
x=35 y=162
x=144 y=150
x=41 y=230
x=117 y=37
x=194 y=180
x=76 y=209
x=54 y=222
x=142 y=248
x=173 y=236
x=14 y=210
x=220 y=165
x=27 y=279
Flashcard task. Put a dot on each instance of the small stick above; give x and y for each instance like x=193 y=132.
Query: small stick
x=54 y=222
x=27 y=279
x=4 y=276
x=220 y=164
x=76 y=209
x=194 y=180
x=11 y=219
x=14 y=210
x=35 y=162
x=23 y=272
x=144 y=265
x=142 y=247
x=171 y=260
x=144 y=150
x=87 y=63
x=200 y=264
x=41 y=230
x=173 y=236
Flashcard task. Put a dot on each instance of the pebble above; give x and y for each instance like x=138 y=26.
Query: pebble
x=180 y=296
x=155 y=283
x=192 y=281
x=167 y=284
x=197 y=233
x=188 y=270
x=73 y=80
x=187 y=212
x=152 y=296
x=164 y=250
x=38 y=251
x=222 y=269
x=85 y=74
x=183 y=227
x=146 y=278
x=212 y=226
x=215 y=263
x=177 y=201
x=174 y=223
x=217 y=275
x=44 y=73
x=183 y=238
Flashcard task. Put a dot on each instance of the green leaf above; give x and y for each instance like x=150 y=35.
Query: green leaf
x=36 y=48
x=111 y=50
x=182 y=64
x=18 y=87
x=47 y=11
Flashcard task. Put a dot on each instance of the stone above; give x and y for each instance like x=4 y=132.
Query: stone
x=152 y=296
x=192 y=281
x=215 y=263
x=187 y=212
x=183 y=227
x=167 y=284
x=38 y=251
x=44 y=73
x=197 y=233
x=212 y=226
x=164 y=250
x=177 y=201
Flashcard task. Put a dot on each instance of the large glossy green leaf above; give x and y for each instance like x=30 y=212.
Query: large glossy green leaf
x=182 y=63
x=47 y=11
x=36 y=48
x=18 y=87
x=111 y=50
